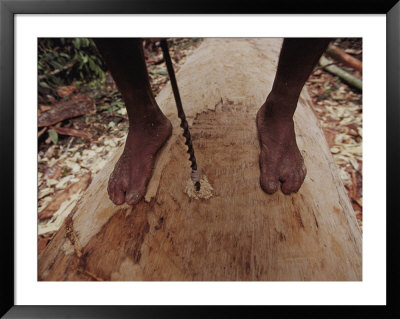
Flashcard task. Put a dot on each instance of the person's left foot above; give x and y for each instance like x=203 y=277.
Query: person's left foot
x=280 y=158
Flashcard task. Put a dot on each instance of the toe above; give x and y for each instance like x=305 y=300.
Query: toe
x=269 y=181
x=293 y=182
x=133 y=197
x=115 y=192
x=287 y=188
x=269 y=184
x=288 y=184
x=118 y=197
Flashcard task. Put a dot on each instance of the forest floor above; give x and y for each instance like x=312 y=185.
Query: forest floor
x=73 y=150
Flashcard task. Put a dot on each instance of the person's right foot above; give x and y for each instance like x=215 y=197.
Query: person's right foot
x=280 y=158
x=128 y=182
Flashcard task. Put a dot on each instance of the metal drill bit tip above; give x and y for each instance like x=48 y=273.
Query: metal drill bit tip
x=195 y=177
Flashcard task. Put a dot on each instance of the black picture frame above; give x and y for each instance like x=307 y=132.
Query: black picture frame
x=8 y=10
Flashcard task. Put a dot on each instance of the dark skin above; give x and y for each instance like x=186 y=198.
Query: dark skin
x=149 y=129
x=280 y=159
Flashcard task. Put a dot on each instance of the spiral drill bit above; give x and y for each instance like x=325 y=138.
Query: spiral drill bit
x=195 y=175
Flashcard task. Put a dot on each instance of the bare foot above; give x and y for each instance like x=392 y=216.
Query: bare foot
x=280 y=158
x=128 y=181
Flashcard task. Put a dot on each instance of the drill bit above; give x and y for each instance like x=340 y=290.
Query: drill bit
x=195 y=175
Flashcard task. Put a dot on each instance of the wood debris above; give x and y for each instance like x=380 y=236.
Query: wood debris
x=41 y=132
x=64 y=91
x=205 y=192
x=79 y=104
x=64 y=195
x=339 y=110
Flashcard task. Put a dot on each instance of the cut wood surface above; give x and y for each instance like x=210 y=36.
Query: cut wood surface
x=241 y=233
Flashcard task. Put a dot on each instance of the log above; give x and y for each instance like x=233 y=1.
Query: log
x=335 y=70
x=341 y=56
x=241 y=233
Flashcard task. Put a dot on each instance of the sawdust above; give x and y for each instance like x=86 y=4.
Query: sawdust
x=205 y=192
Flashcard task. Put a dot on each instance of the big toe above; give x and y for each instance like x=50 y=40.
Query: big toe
x=116 y=193
x=292 y=184
x=118 y=198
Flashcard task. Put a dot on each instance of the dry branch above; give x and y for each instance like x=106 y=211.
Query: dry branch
x=340 y=55
x=79 y=104
x=71 y=132
x=326 y=64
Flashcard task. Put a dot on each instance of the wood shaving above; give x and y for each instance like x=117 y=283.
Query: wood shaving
x=205 y=192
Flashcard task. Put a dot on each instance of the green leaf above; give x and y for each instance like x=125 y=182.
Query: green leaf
x=85 y=58
x=104 y=107
x=44 y=85
x=77 y=43
x=56 y=65
x=122 y=111
x=53 y=136
x=159 y=71
x=118 y=119
x=111 y=124
x=118 y=104
x=84 y=42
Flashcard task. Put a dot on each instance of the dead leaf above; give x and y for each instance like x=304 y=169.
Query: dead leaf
x=45 y=108
x=64 y=91
x=54 y=172
x=330 y=135
x=335 y=150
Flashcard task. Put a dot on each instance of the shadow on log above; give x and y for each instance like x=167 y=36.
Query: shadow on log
x=240 y=233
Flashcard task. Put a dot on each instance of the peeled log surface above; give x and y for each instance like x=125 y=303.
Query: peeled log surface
x=240 y=233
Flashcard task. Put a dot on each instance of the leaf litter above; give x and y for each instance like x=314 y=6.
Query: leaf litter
x=338 y=108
